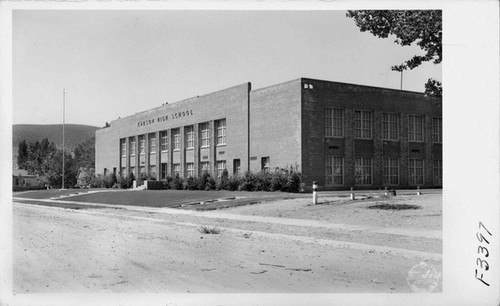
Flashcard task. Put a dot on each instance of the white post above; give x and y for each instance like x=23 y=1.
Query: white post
x=315 y=193
x=386 y=191
x=353 y=197
x=418 y=191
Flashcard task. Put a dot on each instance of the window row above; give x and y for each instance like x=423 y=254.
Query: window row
x=363 y=171
x=204 y=132
x=363 y=125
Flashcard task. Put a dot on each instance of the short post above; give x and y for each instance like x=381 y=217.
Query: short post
x=353 y=197
x=418 y=191
x=315 y=193
x=386 y=191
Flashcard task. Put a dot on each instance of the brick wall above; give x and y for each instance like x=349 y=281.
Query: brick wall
x=231 y=104
x=316 y=147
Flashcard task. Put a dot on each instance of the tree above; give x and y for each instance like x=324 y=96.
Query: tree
x=421 y=26
x=22 y=154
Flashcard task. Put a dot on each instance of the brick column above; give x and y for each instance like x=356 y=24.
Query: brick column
x=349 y=153
x=137 y=164
x=127 y=156
x=158 y=155
x=404 y=153
x=170 y=152
x=146 y=153
x=428 y=154
x=378 y=149
x=183 y=151
x=213 y=151
x=196 y=149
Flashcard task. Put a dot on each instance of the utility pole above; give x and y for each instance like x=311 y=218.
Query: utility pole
x=64 y=119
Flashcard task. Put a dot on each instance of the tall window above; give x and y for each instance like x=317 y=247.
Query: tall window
x=363 y=124
x=123 y=172
x=142 y=145
x=334 y=122
x=177 y=169
x=438 y=172
x=132 y=170
x=391 y=171
x=152 y=171
x=221 y=166
x=334 y=170
x=152 y=143
x=164 y=140
x=123 y=146
x=437 y=130
x=190 y=169
x=265 y=164
x=415 y=128
x=177 y=139
x=164 y=170
x=220 y=129
x=189 y=137
x=416 y=171
x=363 y=170
x=390 y=126
x=236 y=166
x=132 y=145
x=205 y=167
x=205 y=134
x=142 y=170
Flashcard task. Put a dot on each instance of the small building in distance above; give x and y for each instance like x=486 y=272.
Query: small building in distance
x=339 y=135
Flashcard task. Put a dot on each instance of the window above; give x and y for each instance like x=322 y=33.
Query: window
x=205 y=134
x=123 y=146
x=164 y=140
x=265 y=165
x=415 y=128
x=152 y=171
x=132 y=170
x=105 y=171
x=220 y=129
x=142 y=145
x=205 y=167
x=334 y=170
x=177 y=139
x=437 y=130
x=189 y=136
x=416 y=171
x=142 y=170
x=164 y=170
x=334 y=122
x=390 y=126
x=363 y=124
x=190 y=169
x=363 y=170
x=438 y=172
x=152 y=143
x=236 y=166
x=221 y=166
x=123 y=171
x=177 y=169
x=391 y=171
x=132 y=145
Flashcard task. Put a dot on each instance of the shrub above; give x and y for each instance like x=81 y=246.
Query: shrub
x=126 y=182
x=209 y=229
x=176 y=183
x=233 y=183
x=166 y=182
x=211 y=184
x=191 y=183
x=223 y=181
x=85 y=177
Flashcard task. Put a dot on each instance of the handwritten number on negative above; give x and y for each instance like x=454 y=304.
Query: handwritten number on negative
x=482 y=251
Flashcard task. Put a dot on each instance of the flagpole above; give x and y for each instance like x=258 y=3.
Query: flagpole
x=64 y=119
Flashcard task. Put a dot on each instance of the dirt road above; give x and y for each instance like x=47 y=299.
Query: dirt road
x=60 y=250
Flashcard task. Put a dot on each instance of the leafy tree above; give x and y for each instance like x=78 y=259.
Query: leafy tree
x=22 y=154
x=85 y=154
x=408 y=26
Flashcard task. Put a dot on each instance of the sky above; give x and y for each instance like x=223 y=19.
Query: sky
x=114 y=63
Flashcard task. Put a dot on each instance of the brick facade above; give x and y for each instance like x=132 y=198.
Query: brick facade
x=285 y=124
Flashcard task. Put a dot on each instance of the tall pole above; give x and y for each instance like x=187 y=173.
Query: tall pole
x=64 y=119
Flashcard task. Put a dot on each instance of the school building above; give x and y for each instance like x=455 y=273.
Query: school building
x=339 y=135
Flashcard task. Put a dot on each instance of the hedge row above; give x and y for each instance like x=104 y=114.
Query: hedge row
x=279 y=180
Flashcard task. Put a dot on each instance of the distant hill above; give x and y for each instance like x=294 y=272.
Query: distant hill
x=74 y=134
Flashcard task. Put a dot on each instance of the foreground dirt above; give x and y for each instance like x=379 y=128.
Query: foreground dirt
x=108 y=250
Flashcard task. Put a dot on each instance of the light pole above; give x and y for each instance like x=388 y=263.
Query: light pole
x=64 y=119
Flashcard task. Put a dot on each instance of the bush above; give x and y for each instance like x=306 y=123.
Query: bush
x=176 y=183
x=166 y=182
x=191 y=183
x=102 y=181
x=223 y=181
x=126 y=182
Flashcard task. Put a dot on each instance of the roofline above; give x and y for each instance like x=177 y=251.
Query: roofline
x=361 y=85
